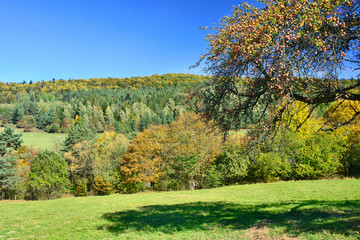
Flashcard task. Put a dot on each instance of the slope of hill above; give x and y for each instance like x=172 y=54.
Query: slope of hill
x=327 y=209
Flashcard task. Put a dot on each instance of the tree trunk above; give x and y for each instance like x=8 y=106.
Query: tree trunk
x=85 y=188
x=192 y=183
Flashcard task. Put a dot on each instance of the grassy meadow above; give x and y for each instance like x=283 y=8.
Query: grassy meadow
x=40 y=139
x=326 y=209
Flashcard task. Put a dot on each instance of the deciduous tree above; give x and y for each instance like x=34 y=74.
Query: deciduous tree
x=80 y=160
x=271 y=56
x=144 y=161
x=48 y=174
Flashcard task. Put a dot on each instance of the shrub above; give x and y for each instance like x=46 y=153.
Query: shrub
x=231 y=165
x=320 y=156
x=102 y=187
x=28 y=122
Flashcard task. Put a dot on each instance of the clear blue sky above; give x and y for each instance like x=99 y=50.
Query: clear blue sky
x=45 y=39
x=62 y=39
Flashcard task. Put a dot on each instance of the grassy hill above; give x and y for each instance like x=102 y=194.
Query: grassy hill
x=40 y=139
x=327 y=209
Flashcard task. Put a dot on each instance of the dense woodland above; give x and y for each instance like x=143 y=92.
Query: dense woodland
x=127 y=140
x=125 y=105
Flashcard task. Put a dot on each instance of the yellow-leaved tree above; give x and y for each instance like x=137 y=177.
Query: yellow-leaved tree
x=174 y=157
x=342 y=113
x=108 y=150
x=143 y=162
x=193 y=147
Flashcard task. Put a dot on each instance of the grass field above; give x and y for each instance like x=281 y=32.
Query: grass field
x=40 y=139
x=327 y=209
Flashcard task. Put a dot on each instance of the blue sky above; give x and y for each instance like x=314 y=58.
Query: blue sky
x=63 y=39
x=45 y=39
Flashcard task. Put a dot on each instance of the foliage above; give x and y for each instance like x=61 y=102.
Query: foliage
x=48 y=174
x=28 y=122
x=80 y=161
x=343 y=112
x=77 y=134
x=232 y=164
x=126 y=105
x=94 y=165
x=108 y=150
x=192 y=148
x=271 y=56
x=9 y=140
x=24 y=156
x=175 y=157
x=338 y=113
x=63 y=86
x=143 y=163
x=351 y=158
x=294 y=156
x=101 y=187
x=320 y=156
x=9 y=179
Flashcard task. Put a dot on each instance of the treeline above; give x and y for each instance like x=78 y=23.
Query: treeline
x=180 y=156
x=10 y=92
x=126 y=110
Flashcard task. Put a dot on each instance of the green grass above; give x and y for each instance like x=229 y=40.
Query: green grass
x=40 y=139
x=327 y=209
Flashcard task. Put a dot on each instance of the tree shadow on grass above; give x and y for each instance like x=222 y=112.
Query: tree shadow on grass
x=295 y=217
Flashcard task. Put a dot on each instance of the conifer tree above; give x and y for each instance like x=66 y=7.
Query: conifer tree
x=9 y=141
x=77 y=134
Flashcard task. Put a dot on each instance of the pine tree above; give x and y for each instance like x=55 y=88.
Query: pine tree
x=77 y=133
x=9 y=140
x=9 y=180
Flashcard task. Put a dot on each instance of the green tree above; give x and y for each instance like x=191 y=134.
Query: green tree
x=9 y=180
x=232 y=164
x=9 y=140
x=48 y=174
x=18 y=114
x=77 y=133
x=109 y=116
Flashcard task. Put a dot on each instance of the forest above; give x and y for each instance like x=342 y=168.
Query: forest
x=149 y=137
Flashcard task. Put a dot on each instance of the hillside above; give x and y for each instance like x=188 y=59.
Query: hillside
x=71 y=85
x=127 y=105
x=326 y=209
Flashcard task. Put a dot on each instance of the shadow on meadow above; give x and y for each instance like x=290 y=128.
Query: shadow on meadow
x=342 y=217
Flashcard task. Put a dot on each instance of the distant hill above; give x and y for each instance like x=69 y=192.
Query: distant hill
x=62 y=85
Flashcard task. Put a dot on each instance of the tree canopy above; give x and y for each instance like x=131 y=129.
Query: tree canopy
x=9 y=140
x=48 y=173
x=265 y=59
